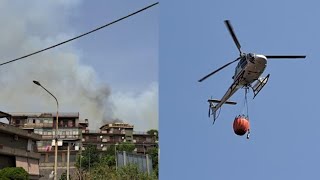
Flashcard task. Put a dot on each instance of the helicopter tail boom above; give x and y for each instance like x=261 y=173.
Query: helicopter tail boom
x=215 y=104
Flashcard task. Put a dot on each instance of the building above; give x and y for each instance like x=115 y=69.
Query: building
x=144 y=141
x=18 y=148
x=116 y=133
x=75 y=133
x=69 y=134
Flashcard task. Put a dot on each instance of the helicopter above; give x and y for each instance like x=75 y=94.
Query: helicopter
x=247 y=73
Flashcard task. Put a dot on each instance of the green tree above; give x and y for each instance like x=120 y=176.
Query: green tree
x=13 y=173
x=153 y=152
x=131 y=172
x=102 y=171
x=110 y=150
x=88 y=158
x=126 y=146
x=154 y=132
x=108 y=159
x=64 y=176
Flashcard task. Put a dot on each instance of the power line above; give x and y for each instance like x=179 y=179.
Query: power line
x=101 y=27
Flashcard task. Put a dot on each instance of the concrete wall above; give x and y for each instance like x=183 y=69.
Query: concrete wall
x=9 y=140
x=7 y=161
x=30 y=165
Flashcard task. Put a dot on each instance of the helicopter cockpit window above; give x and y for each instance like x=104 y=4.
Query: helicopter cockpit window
x=240 y=65
x=242 y=61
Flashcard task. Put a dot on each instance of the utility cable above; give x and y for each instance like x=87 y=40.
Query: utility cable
x=101 y=27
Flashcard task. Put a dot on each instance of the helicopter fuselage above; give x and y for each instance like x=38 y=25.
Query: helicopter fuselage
x=251 y=66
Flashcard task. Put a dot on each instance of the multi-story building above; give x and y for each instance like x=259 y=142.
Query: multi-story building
x=144 y=141
x=18 y=148
x=116 y=133
x=75 y=133
x=69 y=134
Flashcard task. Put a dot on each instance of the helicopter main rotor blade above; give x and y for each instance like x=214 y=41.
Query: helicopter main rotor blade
x=234 y=37
x=218 y=69
x=285 y=57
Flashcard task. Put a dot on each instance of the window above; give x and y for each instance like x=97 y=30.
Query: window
x=243 y=64
x=60 y=157
x=40 y=143
x=73 y=157
x=46 y=158
x=63 y=157
x=42 y=158
x=70 y=123
x=51 y=157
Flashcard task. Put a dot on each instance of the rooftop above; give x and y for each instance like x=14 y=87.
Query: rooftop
x=116 y=125
x=6 y=128
x=46 y=114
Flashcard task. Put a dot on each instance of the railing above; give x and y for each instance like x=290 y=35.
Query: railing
x=36 y=125
x=140 y=133
x=144 y=141
x=61 y=136
x=60 y=164
x=18 y=152
x=86 y=141
x=103 y=132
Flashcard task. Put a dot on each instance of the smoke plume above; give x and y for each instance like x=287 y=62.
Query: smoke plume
x=33 y=25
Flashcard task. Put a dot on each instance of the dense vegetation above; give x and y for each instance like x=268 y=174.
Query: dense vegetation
x=94 y=166
x=13 y=173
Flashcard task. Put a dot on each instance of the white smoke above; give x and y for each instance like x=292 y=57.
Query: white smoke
x=138 y=109
x=33 y=25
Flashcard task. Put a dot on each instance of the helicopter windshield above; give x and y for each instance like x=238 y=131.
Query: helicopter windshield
x=240 y=65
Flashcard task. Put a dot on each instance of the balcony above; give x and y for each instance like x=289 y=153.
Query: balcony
x=88 y=141
x=18 y=152
x=67 y=137
x=116 y=132
x=35 y=125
